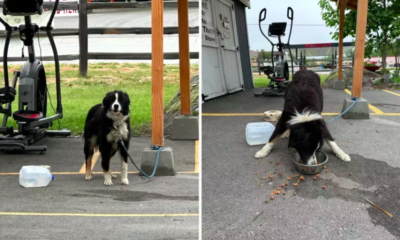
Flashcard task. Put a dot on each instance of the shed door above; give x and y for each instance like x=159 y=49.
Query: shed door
x=228 y=40
x=213 y=84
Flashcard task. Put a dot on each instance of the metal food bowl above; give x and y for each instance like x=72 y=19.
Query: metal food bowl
x=322 y=158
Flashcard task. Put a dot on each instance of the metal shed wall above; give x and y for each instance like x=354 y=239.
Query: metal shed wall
x=244 y=47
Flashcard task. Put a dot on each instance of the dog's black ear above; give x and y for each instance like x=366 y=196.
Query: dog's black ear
x=106 y=100
x=127 y=97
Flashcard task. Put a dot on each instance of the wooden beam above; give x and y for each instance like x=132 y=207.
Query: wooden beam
x=341 y=23
x=352 y=6
x=157 y=92
x=184 y=61
x=362 y=13
x=83 y=38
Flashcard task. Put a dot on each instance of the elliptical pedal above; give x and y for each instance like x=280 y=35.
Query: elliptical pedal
x=27 y=115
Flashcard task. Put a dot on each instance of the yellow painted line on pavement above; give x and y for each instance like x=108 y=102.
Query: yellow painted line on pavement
x=372 y=107
x=392 y=92
x=375 y=109
x=385 y=114
x=78 y=173
x=98 y=214
x=197 y=156
x=347 y=91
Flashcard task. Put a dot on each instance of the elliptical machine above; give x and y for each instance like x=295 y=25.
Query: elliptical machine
x=31 y=116
x=279 y=74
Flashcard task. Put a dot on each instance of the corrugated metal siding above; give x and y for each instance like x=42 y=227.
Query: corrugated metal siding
x=241 y=24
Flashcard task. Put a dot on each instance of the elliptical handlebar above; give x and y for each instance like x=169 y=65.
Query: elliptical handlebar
x=290 y=10
x=52 y=14
x=262 y=18
x=290 y=15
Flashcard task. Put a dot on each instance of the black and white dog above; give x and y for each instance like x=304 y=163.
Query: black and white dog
x=301 y=117
x=105 y=124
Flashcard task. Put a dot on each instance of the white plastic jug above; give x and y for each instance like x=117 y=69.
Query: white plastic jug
x=259 y=132
x=35 y=176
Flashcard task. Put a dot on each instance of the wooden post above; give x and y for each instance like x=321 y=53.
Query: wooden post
x=157 y=57
x=362 y=12
x=342 y=6
x=83 y=38
x=184 y=60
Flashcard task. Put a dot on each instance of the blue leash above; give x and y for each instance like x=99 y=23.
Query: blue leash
x=337 y=117
x=140 y=170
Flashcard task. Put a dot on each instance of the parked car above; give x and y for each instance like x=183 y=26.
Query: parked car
x=328 y=65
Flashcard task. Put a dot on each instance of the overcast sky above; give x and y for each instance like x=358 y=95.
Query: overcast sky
x=306 y=12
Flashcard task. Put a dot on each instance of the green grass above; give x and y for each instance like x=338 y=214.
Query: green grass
x=263 y=81
x=79 y=94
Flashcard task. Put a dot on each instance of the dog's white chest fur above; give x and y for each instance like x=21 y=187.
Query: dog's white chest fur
x=115 y=134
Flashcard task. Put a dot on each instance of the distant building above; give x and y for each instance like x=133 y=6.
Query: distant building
x=390 y=60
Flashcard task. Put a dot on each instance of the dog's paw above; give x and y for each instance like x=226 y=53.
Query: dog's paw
x=264 y=151
x=343 y=156
x=261 y=153
x=88 y=177
x=313 y=161
x=125 y=181
x=108 y=182
x=114 y=176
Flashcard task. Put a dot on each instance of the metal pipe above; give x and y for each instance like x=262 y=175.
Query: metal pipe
x=57 y=66
x=31 y=48
x=5 y=60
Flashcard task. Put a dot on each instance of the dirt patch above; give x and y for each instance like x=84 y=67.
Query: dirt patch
x=63 y=79
x=68 y=68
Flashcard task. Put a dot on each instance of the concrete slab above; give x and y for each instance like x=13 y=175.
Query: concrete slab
x=358 y=110
x=339 y=85
x=234 y=196
x=165 y=166
x=185 y=128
